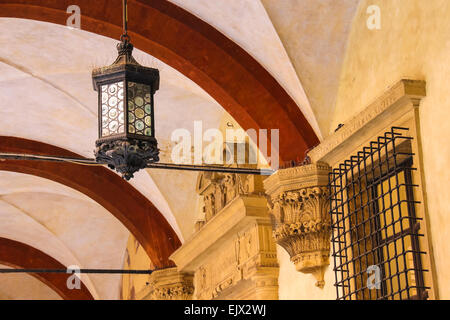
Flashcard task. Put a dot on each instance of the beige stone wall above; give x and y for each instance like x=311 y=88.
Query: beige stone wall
x=134 y=286
x=294 y=285
x=414 y=42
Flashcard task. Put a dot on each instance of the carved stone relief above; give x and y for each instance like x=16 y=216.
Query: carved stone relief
x=232 y=255
x=240 y=259
x=218 y=190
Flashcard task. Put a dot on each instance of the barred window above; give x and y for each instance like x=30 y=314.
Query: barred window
x=375 y=236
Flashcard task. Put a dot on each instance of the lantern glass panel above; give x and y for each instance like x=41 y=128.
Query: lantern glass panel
x=139 y=109
x=113 y=116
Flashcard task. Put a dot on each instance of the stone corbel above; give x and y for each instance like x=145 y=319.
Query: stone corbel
x=298 y=203
x=169 y=284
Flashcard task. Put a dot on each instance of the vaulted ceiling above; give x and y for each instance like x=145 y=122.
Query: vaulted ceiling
x=295 y=50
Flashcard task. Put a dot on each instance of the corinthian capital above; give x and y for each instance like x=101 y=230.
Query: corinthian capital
x=169 y=284
x=298 y=203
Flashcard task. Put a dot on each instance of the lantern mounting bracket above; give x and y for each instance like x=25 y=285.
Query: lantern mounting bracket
x=127 y=155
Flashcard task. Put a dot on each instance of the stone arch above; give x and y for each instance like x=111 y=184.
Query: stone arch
x=127 y=204
x=20 y=255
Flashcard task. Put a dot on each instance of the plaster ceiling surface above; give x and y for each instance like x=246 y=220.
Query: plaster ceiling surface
x=315 y=34
x=64 y=224
x=19 y=226
x=246 y=23
x=12 y=288
x=27 y=183
x=96 y=238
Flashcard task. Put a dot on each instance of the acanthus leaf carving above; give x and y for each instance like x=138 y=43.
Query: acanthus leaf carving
x=169 y=284
x=301 y=222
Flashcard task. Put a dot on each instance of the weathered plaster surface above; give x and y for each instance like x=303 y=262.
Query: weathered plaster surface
x=246 y=22
x=315 y=34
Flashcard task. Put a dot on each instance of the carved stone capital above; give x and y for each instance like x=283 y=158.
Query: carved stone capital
x=298 y=203
x=169 y=284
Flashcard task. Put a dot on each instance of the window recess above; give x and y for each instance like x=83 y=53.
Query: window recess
x=375 y=230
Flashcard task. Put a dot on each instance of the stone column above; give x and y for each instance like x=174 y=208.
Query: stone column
x=298 y=204
x=169 y=284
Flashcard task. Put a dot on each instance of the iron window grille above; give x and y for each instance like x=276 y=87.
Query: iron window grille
x=375 y=230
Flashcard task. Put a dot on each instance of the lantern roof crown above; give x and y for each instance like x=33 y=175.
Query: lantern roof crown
x=126 y=65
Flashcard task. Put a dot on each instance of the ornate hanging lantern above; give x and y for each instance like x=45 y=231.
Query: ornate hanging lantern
x=126 y=89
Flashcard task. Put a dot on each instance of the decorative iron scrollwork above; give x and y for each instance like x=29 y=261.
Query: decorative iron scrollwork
x=127 y=156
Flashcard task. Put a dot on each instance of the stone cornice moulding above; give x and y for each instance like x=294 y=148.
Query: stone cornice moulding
x=297 y=178
x=221 y=228
x=394 y=103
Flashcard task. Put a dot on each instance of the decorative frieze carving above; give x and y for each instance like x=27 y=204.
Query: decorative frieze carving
x=247 y=256
x=218 y=190
x=169 y=284
x=298 y=203
x=395 y=102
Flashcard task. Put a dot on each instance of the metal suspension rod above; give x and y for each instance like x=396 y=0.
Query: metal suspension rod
x=125 y=18
x=19 y=156
x=125 y=37
x=167 y=166
x=208 y=168
x=70 y=271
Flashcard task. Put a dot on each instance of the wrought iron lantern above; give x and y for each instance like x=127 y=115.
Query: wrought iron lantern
x=126 y=91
